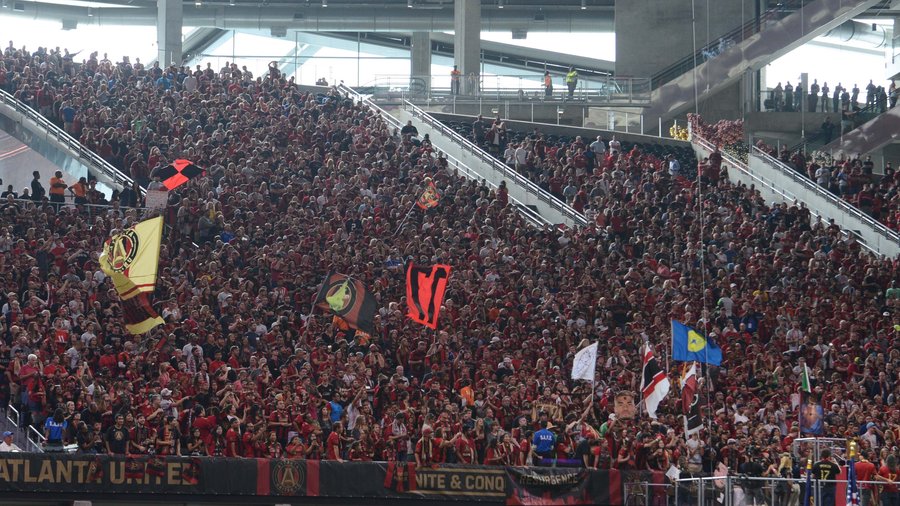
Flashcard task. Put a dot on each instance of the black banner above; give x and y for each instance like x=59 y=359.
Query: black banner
x=549 y=486
x=22 y=472
x=139 y=477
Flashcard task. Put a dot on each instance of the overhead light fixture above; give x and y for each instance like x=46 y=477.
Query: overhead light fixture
x=324 y=3
x=90 y=12
x=231 y=3
x=500 y=4
x=583 y=4
x=409 y=3
x=198 y=3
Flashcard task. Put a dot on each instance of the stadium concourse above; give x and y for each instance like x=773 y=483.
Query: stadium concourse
x=299 y=185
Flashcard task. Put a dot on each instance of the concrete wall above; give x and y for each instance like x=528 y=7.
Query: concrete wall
x=653 y=34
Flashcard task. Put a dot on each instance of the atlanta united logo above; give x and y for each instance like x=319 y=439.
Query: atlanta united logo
x=340 y=296
x=122 y=249
x=288 y=477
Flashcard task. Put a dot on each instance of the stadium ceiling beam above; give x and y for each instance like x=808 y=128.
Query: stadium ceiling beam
x=338 y=17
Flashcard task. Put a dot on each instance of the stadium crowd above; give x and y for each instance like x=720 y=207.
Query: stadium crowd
x=300 y=183
x=851 y=178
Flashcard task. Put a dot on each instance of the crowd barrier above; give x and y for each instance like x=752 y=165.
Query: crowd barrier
x=767 y=491
x=154 y=478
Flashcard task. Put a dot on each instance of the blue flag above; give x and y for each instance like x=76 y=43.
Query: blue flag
x=688 y=345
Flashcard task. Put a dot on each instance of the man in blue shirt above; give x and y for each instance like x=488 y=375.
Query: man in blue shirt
x=543 y=443
x=54 y=430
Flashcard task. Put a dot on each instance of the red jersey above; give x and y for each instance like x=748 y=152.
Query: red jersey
x=865 y=471
x=333 y=447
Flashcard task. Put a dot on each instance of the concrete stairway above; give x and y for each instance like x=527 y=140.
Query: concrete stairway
x=54 y=144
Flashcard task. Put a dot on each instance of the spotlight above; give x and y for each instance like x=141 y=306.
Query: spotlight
x=409 y=3
x=198 y=3
x=583 y=4
x=90 y=12
x=324 y=3
x=500 y=4
x=231 y=3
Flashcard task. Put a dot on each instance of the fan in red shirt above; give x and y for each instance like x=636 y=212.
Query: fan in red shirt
x=232 y=439
x=333 y=444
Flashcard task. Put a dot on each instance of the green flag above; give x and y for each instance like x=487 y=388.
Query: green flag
x=804 y=380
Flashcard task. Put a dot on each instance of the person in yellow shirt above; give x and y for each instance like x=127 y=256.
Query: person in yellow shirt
x=58 y=190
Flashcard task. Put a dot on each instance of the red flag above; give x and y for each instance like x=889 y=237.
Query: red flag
x=425 y=289
x=430 y=197
x=181 y=171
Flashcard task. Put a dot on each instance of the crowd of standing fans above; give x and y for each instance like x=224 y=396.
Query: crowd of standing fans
x=300 y=184
x=854 y=179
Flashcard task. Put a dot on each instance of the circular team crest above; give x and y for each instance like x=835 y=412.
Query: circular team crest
x=122 y=249
x=341 y=296
x=696 y=342
x=288 y=477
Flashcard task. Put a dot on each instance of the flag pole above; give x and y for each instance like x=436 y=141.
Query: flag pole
x=400 y=226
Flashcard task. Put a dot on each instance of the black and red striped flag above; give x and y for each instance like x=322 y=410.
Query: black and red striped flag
x=425 y=288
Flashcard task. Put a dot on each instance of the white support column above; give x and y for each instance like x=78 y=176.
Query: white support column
x=420 y=58
x=169 y=21
x=467 y=43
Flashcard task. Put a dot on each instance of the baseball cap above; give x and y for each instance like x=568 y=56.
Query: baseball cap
x=7 y=434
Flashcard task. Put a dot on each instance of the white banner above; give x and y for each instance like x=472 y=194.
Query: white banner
x=585 y=363
x=157 y=199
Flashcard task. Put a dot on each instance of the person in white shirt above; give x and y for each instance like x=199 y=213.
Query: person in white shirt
x=598 y=147
x=7 y=445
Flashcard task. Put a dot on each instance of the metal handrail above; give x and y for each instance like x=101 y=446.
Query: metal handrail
x=822 y=192
x=532 y=216
x=12 y=420
x=744 y=31
x=786 y=195
x=485 y=157
x=89 y=157
x=36 y=439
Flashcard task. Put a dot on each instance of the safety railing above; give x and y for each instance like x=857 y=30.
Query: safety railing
x=13 y=415
x=740 y=490
x=35 y=439
x=508 y=172
x=86 y=156
x=726 y=41
x=811 y=186
x=771 y=185
x=514 y=88
x=535 y=218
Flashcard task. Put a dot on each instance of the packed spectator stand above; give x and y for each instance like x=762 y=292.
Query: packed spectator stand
x=300 y=184
x=853 y=179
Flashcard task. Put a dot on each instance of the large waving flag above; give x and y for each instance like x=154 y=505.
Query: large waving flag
x=654 y=382
x=688 y=345
x=131 y=259
x=179 y=172
x=425 y=288
x=690 y=401
x=348 y=299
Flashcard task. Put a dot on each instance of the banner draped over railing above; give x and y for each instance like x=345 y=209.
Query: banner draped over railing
x=39 y=474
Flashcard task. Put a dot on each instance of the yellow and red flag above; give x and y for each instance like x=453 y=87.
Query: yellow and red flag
x=131 y=259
